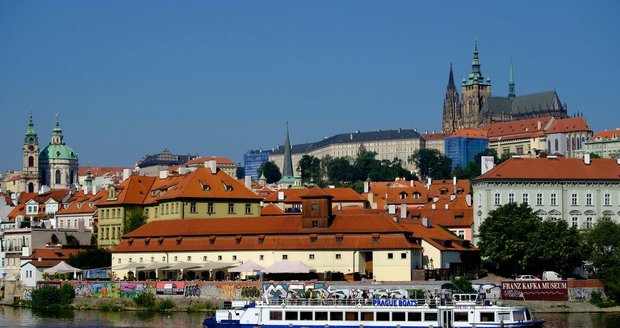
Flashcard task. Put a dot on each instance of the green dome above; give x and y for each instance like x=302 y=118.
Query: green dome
x=58 y=152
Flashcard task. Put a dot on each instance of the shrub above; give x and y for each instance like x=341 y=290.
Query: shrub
x=165 y=304
x=108 y=306
x=145 y=300
x=67 y=294
x=45 y=296
x=463 y=285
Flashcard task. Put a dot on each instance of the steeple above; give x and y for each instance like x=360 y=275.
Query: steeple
x=451 y=79
x=57 y=138
x=475 y=77
x=511 y=83
x=451 y=105
x=31 y=135
x=288 y=160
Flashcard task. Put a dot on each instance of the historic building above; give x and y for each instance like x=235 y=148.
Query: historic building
x=579 y=191
x=30 y=170
x=477 y=107
x=605 y=144
x=58 y=163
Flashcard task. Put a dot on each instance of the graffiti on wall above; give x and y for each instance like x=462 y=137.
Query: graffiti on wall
x=111 y=289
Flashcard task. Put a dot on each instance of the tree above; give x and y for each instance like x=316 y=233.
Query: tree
x=134 y=219
x=513 y=239
x=71 y=241
x=339 y=170
x=271 y=172
x=365 y=164
x=91 y=258
x=310 y=167
x=603 y=250
x=431 y=164
x=240 y=172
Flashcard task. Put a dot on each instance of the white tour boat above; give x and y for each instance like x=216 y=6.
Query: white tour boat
x=463 y=310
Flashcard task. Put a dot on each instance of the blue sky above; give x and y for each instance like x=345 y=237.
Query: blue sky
x=222 y=77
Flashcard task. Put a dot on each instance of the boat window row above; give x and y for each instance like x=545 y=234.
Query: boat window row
x=352 y=316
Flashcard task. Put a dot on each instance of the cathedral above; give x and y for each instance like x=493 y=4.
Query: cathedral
x=56 y=166
x=477 y=108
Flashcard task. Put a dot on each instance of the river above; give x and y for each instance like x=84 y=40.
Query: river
x=18 y=317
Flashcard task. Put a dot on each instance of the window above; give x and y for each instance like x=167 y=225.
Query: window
x=429 y=316
x=390 y=256
x=461 y=317
x=511 y=197
x=284 y=257
x=367 y=316
x=526 y=198
x=403 y=255
x=335 y=316
x=320 y=315
x=414 y=316
x=231 y=208
x=204 y=259
x=219 y=257
x=176 y=259
x=163 y=259
x=248 y=208
x=403 y=195
x=261 y=257
x=234 y=257
x=275 y=315
x=589 y=199
x=574 y=200
x=398 y=316
x=588 y=222
x=315 y=223
x=539 y=199
x=290 y=315
x=310 y=256
x=210 y=208
x=497 y=199
x=192 y=207
x=338 y=256
x=189 y=258
x=315 y=207
x=383 y=316
x=57 y=180
x=554 y=199
x=607 y=199
x=487 y=316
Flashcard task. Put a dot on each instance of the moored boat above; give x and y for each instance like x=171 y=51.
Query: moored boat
x=462 y=310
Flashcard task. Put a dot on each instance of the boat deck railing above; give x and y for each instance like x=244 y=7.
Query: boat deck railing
x=434 y=302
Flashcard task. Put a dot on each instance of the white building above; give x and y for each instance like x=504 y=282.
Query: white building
x=579 y=191
x=605 y=144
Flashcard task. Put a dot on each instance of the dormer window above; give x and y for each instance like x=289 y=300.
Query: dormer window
x=403 y=195
x=228 y=187
x=416 y=195
x=315 y=207
x=313 y=238
x=375 y=238
x=339 y=238
x=206 y=187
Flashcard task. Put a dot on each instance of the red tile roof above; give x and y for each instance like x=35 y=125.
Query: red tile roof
x=554 y=169
x=201 y=161
x=607 y=135
x=471 y=133
x=79 y=203
x=271 y=209
x=571 y=124
x=49 y=257
x=436 y=136
x=337 y=194
x=98 y=171
x=529 y=128
x=438 y=237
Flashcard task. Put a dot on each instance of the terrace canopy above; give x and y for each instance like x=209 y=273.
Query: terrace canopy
x=288 y=267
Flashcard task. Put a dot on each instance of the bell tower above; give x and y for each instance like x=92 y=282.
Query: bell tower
x=474 y=90
x=30 y=170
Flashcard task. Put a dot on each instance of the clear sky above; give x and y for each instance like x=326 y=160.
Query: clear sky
x=222 y=77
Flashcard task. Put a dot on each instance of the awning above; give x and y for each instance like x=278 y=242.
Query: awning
x=182 y=266
x=129 y=266
x=288 y=267
x=154 y=266
x=215 y=265
x=248 y=266
x=61 y=267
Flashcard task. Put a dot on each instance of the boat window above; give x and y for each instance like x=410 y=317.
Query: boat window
x=518 y=315
x=383 y=316
x=290 y=315
x=333 y=316
x=528 y=316
x=503 y=316
x=487 y=316
x=414 y=316
x=430 y=316
x=351 y=316
x=461 y=316
x=398 y=316
x=320 y=315
x=275 y=315
x=305 y=315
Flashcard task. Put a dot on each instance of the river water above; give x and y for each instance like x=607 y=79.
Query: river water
x=18 y=317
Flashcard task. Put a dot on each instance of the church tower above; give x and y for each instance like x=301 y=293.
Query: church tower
x=511 y=84
x=451 y=106
x=30 y=171
x=58 y=163
x=288 y=179
x=474 y=90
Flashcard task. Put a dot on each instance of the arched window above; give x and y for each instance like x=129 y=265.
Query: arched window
x=57 y=181
x=556 y=144
x=30 y=161
x=70 y=177
x=549 y=145
x=31 y=187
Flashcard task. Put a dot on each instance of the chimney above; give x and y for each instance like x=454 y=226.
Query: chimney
x=468 y=199
x=426 y=222
x=163 y=174
x=539 y=125
x=430 y=181
x=391 y=209
x=280 y=196
x=403 y=211
x=454 y=185
x=447 y=207
x=411 y=183
x=452 y=197
x=248 y=181
x=433 y=207
x=95 y=189
x=212 y=165
x=366 y=187
x=586 y=159
x=126 y=174
x=618 y=161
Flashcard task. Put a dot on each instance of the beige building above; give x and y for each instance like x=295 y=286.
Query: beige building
x=388 y=144
x=524 y=137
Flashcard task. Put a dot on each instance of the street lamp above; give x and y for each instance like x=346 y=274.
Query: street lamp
x=431 y=262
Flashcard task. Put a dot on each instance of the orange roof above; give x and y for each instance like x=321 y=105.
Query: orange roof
x=612 y=134
x=338 y=194
x=445 y=188
x=79 y=203
x=554 y=169
x=529 y=128
x=471 y=133
x=277 y=232
x=438 y=237
x=271 y=209
x=202 y=160
x=52 y=253
x=571 y=124
x=131 y=191
x=98 y=171
x=386 y=193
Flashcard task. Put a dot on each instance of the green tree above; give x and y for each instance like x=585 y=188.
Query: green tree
x=134 y=219
x=310 y=168
x=91 y=258
x=603 y=251
x=339 y=170
x=431 y=163
x=71 y=241
x=240 y=172
x=365 y=164
x=271 y=172
x=561 y=251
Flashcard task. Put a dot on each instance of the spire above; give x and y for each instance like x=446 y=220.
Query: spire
x=475 y=77
x=288 y=160
x=31 y=134
x=511 y=83
x=57 y=138
x=451 y=79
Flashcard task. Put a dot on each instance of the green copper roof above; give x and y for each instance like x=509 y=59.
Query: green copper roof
x=475 y=77
x=31 y=134
x=511 y=83
x=53 y=151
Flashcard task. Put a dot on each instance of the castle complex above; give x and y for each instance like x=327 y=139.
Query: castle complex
x=476 y=107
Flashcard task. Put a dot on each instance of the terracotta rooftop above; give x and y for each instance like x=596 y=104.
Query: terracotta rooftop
x=528 y=128
x=554 y=169
x=337 y=194
x=606 y=135
x=436 y=136
x=571 y=124
x=471 y=133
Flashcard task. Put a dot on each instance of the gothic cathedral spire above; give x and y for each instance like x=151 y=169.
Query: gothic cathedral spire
x=511 y=83
x=451 y=105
